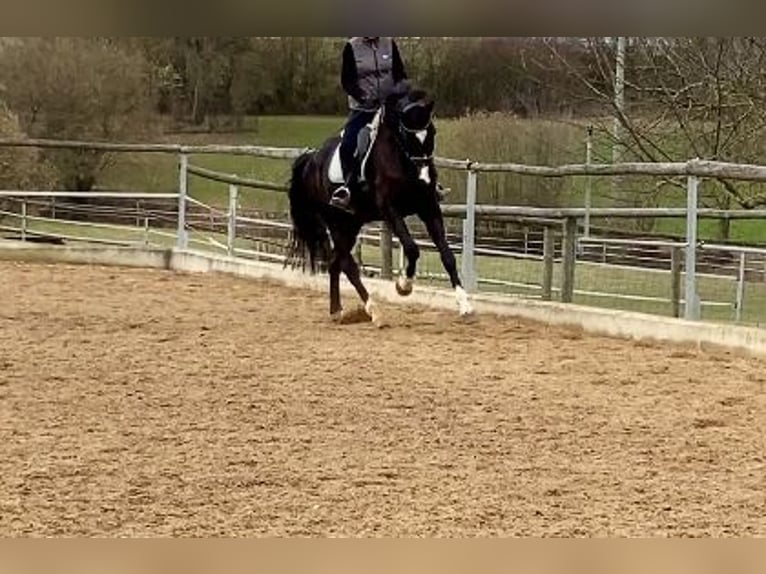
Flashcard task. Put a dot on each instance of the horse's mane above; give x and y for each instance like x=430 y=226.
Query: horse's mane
x=409 y=95
x=415 y=100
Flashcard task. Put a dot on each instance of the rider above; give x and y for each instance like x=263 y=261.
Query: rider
x=372 y=68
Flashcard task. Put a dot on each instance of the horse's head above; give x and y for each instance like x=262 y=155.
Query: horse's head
x=409 y=113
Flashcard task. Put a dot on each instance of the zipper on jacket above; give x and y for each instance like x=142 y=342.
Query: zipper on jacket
x=377 y=68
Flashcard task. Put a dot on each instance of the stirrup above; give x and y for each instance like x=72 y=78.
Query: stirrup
x=343 y=193
x=341 y=198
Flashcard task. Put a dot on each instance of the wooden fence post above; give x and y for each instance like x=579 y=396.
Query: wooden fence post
x=692 y=307
x=386 y=252
x=231 y=229
x=468 y=257
x=549 y=251
x=147 y=239
x=24 y=222
x=569 y=252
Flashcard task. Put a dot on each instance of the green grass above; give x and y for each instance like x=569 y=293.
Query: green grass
x=159 y=172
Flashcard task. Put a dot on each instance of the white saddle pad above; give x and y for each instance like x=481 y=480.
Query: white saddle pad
x=335 y=172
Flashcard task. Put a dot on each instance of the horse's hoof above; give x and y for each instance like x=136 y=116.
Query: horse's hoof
x=337 y=316
x=463 y=304
x=403 y=286
x=468 y=316
x=375 y=315
x=357 y=315
x=466 y=310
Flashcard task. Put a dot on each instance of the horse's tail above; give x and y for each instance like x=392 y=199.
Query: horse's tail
x=309 y=234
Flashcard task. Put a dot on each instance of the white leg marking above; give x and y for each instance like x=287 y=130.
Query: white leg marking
x=463 y=304
x=421 y=135
x=372 y=310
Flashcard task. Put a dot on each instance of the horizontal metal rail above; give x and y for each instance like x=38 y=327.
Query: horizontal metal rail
x=578 y=212
x=640 y=243
x=734 y=248
x=90 y=194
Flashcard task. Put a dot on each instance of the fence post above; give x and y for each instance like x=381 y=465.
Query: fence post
x=740 y=288
x=568 y=249
x=549 y=251
x=386 y=252
x=588 y=181
x=526 y=240
x=24 y=219
x=146 y=230
x=232 y=227
x=358 y=252
x=402 y=257
x=675 y=281
x=692 y=307
x=469 y=234
x=183 y=180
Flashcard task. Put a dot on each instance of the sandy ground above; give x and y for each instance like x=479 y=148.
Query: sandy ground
x=137 y=402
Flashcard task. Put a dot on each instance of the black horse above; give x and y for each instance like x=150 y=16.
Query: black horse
x=400 y=180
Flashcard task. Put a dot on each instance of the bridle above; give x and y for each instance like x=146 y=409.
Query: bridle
x=418 y=161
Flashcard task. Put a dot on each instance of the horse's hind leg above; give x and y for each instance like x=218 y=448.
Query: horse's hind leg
x=351 y=269
x=334 y=272
x=343 y=260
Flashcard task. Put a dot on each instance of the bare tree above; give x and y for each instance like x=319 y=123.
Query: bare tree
x=77 y=88
x=20 y=168
x=686 y=97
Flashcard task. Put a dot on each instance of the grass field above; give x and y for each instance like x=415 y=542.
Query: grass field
x=160 y=172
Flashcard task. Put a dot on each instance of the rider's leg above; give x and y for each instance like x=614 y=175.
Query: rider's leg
x=357 y=120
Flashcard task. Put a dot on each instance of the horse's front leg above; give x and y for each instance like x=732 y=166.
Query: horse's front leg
x=411 y=251
x=434 y=223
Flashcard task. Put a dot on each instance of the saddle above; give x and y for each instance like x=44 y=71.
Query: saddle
x=364 y=141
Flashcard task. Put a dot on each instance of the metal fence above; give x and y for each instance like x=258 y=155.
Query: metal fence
x=518 y=251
